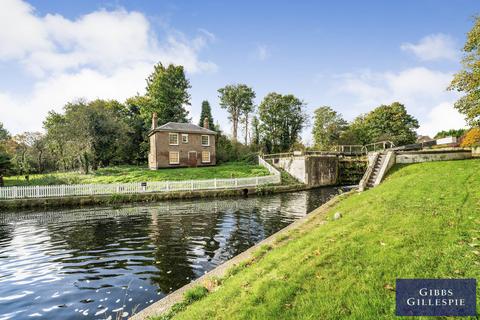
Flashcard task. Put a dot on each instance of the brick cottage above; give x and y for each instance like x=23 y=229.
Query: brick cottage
x=177 y=144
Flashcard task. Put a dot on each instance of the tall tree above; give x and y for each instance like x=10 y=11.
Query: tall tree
x=256 y=133
x=238 y=100
x=283 y=118
x=467 y=80
x=167 y=94
x=136 y=148
x=244 y=119
x=327 y=127
x=5 y=165
x=4 y=135
x=206 y=113
x=57 y=139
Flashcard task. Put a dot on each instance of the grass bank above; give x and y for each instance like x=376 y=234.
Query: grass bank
x=123 y=174
x=422 y=222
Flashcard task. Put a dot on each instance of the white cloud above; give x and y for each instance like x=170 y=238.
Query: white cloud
x=103 y=54
x=442 y=117
x=433 y=47
x=421 y=90
x=20 y=30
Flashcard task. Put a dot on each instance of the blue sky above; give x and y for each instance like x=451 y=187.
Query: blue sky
x=351 y=55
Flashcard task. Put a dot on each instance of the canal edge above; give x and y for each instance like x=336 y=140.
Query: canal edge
x=164 y=304
x=116 y=199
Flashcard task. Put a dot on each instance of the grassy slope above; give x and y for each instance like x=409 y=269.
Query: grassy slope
x=422 y=222
x=120 y=174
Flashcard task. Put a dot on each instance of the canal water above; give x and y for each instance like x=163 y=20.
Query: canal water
x=107 y=263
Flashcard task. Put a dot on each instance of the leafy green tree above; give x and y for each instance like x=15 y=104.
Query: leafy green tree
x=137 y=147
x=356 y=132
x=89 y=135
x=386 y=122
x=100 y=133
x=391 y=122
x=57 y=140
x=206 y=113
x=256 y=131
x=451 y=133
x=283 y=118
x=5 y=165
x=327 y=127
x=238 y=101
x=167 y=93
x=467 y=80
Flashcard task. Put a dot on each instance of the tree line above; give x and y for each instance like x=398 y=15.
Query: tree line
x=87 y=135
x=99 y=133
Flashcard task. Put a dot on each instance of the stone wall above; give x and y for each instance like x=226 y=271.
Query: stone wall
x=295 y=166
x=321 y=170
x=476 y=152
x=351 y=171
x=414 y=157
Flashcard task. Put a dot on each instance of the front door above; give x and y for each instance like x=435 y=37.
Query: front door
x=192 y=158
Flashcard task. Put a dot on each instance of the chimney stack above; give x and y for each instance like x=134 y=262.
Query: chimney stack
x=154 y=120
x=205 y=123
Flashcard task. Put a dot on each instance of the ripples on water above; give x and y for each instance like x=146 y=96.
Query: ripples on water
x=100 y=263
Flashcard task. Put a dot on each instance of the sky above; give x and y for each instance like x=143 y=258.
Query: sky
x=350 y=55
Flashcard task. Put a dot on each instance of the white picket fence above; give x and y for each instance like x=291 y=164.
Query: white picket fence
x=140 y=187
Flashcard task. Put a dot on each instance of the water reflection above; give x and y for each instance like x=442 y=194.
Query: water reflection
x=102 y=263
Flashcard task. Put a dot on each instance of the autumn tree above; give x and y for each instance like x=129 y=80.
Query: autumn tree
x=467 y=80
x=238 y=101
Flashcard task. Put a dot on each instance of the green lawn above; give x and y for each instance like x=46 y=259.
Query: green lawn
x=120 y=174
x=422 y=222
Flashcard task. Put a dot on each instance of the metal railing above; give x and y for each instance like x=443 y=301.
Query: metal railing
x=378 y=146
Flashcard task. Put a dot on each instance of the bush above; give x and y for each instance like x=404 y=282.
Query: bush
x=471 y=138
x=229 y=151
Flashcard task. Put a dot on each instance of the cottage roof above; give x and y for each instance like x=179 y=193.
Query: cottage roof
x=183 y=127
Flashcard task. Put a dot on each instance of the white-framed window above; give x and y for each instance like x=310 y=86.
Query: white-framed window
x=174 y=157
x=205 y=156
x=173 y=139
x=184 y=138
x=205 y=140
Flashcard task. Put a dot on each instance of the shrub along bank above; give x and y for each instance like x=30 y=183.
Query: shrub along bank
x=422 y=222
